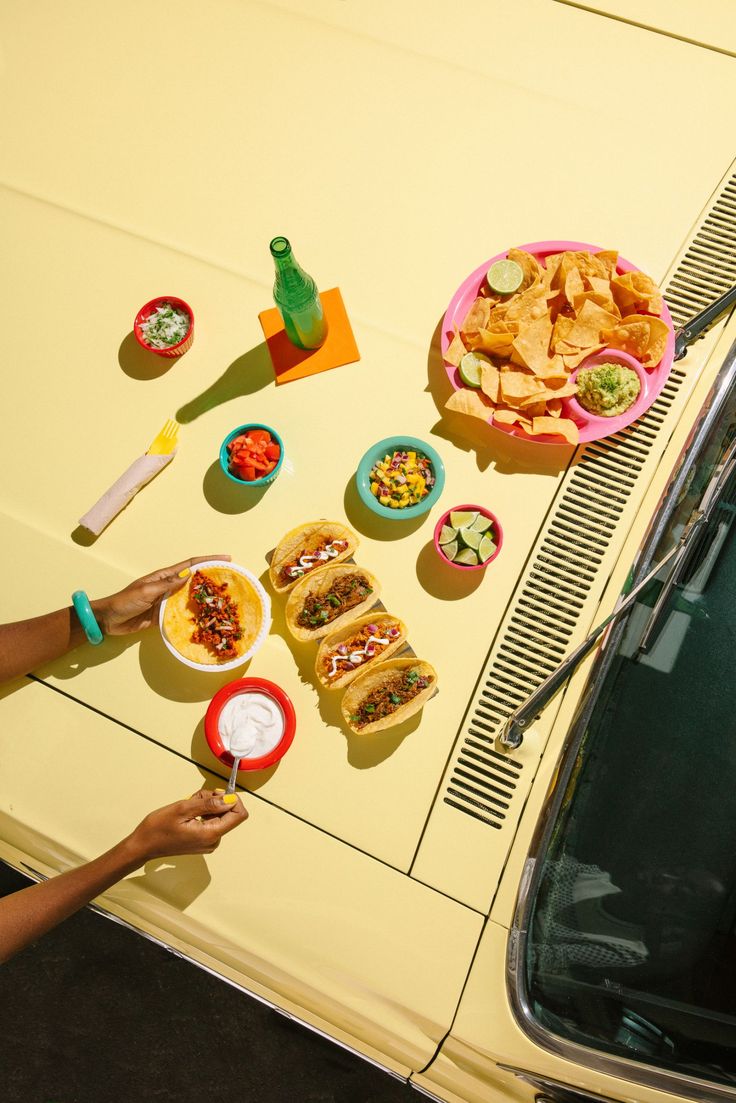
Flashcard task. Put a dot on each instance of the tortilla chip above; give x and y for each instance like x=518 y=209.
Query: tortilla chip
x=607 y=259
x=455 y=350
x=489 y=381
x=589 y=324
x=551 y=267
x=532 y=344
x=635 y=292
x=574 y=285
x=529 y=265
x=552 y=370
x=477 y=316
x=533 y=408
x=599 y=284
x=473 y=403
x=497 y=344
x=515 y=385
x=572 y=359
x=527 y=305
x=504 y=416
x=548 y=394
x=561 y=329
x=554 y=407
x=599 y=298
x=640 y=336
x=555 y=426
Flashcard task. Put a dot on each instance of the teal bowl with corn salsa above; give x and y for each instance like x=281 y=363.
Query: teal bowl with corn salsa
x=421 y=459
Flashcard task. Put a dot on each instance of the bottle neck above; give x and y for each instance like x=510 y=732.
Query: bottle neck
x=292 y=283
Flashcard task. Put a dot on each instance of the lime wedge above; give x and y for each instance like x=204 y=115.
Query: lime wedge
x=505 y=276
x=462 y=519
x=447 y=535
x=467 y=557
x=481 y=523
x=470 y=538
x=471 y=367
x=450 y=550
x=486 y=548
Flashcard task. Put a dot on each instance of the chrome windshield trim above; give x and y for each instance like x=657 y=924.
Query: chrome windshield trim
x=632 y=1072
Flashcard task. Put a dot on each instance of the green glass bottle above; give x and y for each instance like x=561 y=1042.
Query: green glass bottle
x=297 y=298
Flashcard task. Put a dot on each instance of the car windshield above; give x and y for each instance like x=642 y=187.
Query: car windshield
x=632 y=933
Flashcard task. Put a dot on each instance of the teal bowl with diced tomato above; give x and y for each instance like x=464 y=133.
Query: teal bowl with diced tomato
x=252 y=455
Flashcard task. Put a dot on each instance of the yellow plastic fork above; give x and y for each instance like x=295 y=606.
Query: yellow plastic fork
x=165 y=441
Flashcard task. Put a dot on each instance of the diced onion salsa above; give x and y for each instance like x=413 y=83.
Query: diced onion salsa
x=401 y=479
x=165 y=326
x=253 y=455
x=215 y=616
x=383 y=701
x=367 y=643
x=307 y=559
x=345 y=593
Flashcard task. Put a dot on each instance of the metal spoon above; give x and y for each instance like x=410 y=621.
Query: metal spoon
x=233 y=777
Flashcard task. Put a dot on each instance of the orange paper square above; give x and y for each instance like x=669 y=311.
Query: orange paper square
x=339 y=348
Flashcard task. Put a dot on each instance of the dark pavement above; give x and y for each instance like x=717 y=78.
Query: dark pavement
x=93 y=1013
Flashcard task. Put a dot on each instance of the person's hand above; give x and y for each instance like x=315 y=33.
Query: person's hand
x=137 y=606
x=193 y=826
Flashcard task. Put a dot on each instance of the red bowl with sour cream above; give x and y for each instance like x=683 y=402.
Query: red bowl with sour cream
x=218 y=702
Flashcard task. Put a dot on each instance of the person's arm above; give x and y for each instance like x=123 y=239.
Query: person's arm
x=176 y=829
x=27 y=644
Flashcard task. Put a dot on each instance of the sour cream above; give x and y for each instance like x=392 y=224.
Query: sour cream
x=251 y=725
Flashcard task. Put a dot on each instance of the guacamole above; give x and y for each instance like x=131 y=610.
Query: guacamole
x=608 y=389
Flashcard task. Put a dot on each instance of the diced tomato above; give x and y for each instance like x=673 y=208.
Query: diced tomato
x=253 y=455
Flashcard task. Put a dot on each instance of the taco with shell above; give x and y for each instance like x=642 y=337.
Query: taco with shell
x=388 y=694
x=308 y=548
x=215 y=617
x=328 y=599
x=347 y=652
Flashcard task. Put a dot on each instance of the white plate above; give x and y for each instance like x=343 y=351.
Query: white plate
x=215 y=668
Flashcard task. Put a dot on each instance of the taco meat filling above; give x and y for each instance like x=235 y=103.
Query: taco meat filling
x=387 y=698
x=307 y=559
x=345 y=592
x=216 y=619
x=368 y=642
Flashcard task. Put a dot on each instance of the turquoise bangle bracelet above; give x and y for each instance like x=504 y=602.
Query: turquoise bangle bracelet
x=83 y=609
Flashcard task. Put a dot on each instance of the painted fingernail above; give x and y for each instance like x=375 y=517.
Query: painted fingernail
x=229 y=798
x=219 y=790
x=185 y=573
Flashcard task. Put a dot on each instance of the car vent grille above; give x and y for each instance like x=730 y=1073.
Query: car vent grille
x=564 y=568
x=708 y=267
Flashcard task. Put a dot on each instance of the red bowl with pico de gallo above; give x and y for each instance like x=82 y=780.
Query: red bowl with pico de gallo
x=252 y=454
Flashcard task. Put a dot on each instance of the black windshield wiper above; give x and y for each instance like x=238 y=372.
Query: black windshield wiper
x=712 y=495
x=512 y=734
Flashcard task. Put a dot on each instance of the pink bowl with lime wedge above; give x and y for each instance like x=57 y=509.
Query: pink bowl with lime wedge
x=494 y=531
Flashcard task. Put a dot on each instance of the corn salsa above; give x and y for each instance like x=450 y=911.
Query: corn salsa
x=402 y=479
